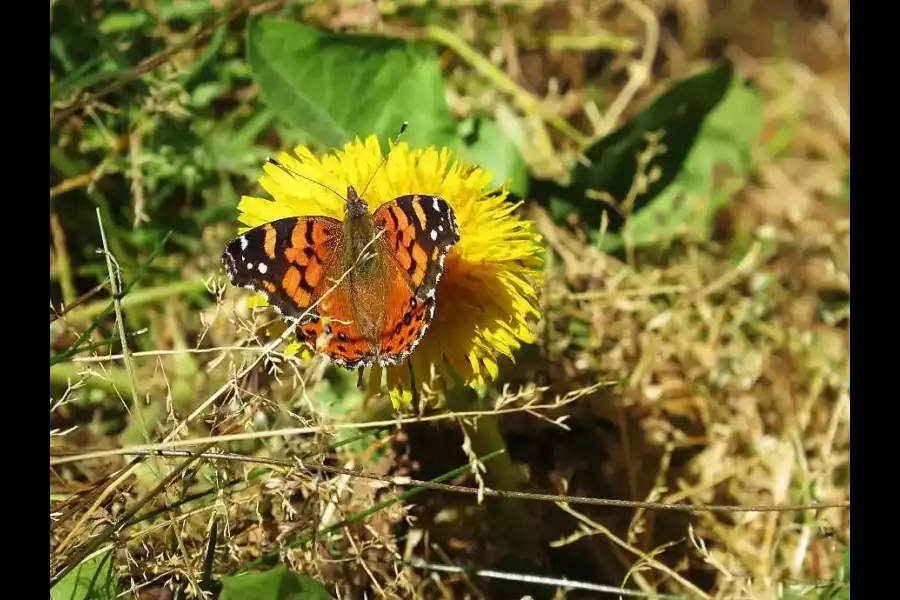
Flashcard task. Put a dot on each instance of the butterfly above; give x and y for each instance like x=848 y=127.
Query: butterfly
x=362 y=290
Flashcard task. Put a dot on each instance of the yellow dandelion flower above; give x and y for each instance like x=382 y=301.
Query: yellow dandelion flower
x=483 y=297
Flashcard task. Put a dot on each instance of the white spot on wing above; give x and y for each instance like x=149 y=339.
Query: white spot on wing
x=244 y=242
x=433 y=235
x=262 y=268
x=435 y=205
x=249 y=266
x=440 y=228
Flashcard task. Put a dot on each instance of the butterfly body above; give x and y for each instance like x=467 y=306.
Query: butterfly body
x=362 y=289
x=366 y=268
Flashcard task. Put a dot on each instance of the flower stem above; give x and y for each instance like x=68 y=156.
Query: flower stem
x=510 y=519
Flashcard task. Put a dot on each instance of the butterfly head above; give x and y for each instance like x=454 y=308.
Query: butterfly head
x=356 y=206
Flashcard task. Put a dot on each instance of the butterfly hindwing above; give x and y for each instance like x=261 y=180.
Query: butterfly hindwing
x=419 y=232
x=406 y=318
x=335 y=333
x=286 y=261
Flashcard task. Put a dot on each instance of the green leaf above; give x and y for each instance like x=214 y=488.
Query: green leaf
x=205 y=93
x=93 y=579
x=836 y=589
x=118 y=22
x=843 y=197
x=678 y=114
x=489 y=147
x=844 y=575
x=276 y=584
x=823 y=591
x=192 y=10
x=97 y=70
x=336 y=87
x=688 y=205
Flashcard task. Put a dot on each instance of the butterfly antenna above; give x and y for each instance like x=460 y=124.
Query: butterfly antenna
x=385 y=159
x=290 y=171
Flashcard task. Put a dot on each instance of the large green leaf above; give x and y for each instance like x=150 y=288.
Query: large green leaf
x=688 y=205
x=678 y=114
x=334 y=87
x=275 y=584
x=93 y=579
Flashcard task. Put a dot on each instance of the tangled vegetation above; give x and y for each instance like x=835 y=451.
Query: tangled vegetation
x=685 y=166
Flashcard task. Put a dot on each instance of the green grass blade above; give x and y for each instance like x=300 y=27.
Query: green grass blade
x=74 y=348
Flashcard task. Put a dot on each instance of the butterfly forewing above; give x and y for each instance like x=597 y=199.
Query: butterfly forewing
x=419 y=232
x=286 y=261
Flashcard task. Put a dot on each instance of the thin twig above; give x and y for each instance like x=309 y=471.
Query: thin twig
x=76 y=345
x=120 y=326
x=74 y=183
x=662 y=290
x=63 y=263
x=77 y=302
x=488 y=492
x=290 y=431
x=640 y=73
x=650 y=560
x=530 y=579
x=180 y=351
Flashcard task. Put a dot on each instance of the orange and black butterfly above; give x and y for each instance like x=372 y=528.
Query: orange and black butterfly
x=362 y=289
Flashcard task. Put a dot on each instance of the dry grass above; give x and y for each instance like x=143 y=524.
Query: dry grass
x=731 y=357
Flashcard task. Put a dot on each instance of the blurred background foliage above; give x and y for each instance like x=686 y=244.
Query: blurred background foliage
x=687 y=162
